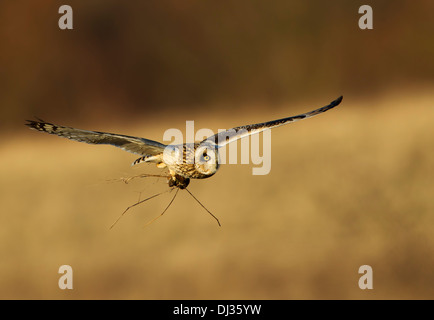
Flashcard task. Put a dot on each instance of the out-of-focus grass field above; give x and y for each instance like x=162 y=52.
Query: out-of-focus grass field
x=351 y=187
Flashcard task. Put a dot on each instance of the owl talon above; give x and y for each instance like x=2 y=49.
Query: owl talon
x=178 y=181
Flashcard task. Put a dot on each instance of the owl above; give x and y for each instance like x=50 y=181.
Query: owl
x=199 y=160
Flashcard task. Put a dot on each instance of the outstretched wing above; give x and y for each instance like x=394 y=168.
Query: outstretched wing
x=131 y=144
x=222 y=138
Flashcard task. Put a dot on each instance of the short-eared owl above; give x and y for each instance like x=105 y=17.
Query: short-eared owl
x=184 y=162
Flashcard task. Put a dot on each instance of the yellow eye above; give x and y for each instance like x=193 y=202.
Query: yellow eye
x=206 y=158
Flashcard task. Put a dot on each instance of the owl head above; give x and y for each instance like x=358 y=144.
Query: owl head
x=206 y=159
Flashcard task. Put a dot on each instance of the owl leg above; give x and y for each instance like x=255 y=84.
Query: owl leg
x=178 y=181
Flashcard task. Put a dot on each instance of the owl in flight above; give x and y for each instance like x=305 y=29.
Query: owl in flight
x=197 y=160
x=187 y=161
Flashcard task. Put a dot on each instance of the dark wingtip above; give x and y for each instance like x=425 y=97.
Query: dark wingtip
x=33 y=124
x=30 y=123
x=37 y=124
x=338 y=101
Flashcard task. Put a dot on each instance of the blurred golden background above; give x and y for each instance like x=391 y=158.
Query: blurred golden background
x=351 y=187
